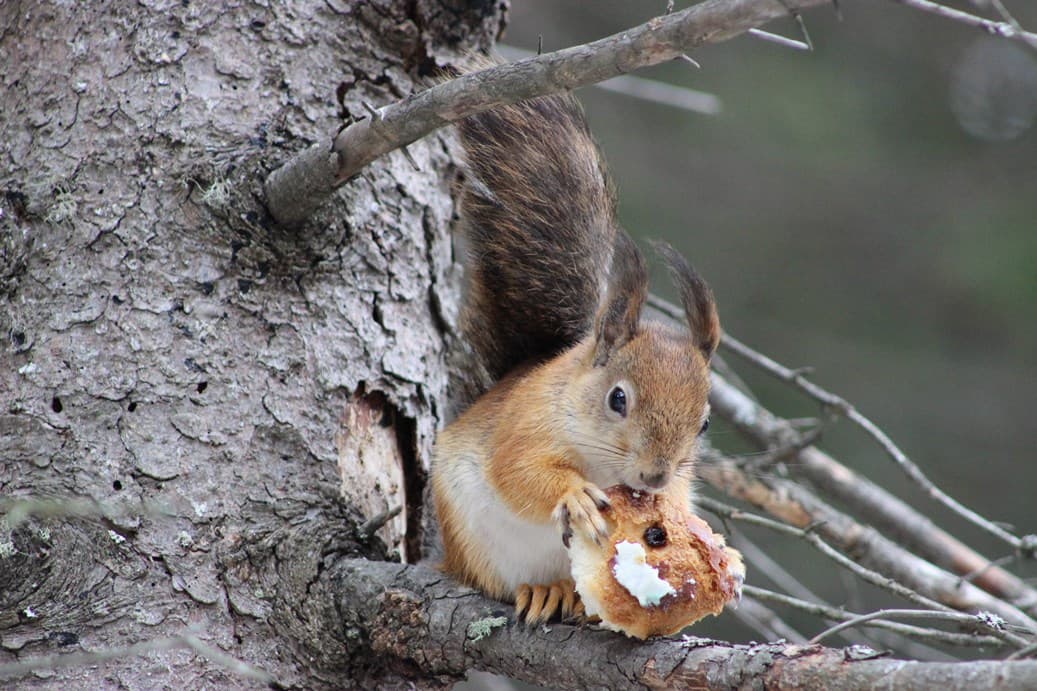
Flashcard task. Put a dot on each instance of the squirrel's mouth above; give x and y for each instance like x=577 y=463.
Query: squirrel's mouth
x=652 y=484
x=641 y=487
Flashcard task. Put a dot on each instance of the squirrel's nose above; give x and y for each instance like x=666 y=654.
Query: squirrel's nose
x=655 y=480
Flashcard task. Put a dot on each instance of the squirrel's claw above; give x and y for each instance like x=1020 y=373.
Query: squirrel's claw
x=580 y=510
x=537 y=604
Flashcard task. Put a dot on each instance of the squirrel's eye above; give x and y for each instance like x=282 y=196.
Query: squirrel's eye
x=618 y=401
x=705 y=426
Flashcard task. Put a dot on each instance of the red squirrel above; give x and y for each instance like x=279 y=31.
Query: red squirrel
x=587 y=395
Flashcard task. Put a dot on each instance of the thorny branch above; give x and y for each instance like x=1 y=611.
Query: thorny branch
x=1008 y=28
x=835 y=614
x=1026 y=546
x=297 y=188
x=977 y=622
x=816 y=521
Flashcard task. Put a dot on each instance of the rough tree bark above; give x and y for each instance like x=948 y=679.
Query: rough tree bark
x=234 y=399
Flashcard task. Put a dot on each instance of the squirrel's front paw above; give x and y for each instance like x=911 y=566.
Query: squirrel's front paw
x=580 y=510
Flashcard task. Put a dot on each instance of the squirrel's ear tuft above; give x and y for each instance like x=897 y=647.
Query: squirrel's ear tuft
x=697 y=298
x=618 y=317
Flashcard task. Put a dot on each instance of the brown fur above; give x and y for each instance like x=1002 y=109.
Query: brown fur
x=540 y=224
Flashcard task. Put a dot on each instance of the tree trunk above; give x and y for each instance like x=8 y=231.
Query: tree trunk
x=215 y=404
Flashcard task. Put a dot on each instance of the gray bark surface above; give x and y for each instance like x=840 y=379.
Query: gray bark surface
x=417 y=622
x=231 y=397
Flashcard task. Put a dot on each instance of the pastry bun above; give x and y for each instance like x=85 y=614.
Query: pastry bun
x=661 y=569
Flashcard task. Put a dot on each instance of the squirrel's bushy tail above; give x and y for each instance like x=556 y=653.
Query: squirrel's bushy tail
x=539 y=215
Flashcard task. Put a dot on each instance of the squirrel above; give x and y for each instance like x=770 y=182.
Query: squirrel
x=587 y=395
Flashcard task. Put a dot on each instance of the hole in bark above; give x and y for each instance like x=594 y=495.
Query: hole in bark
x=244 y=285
x=175 y=35
x=202 y=386
x=18 y=338
x=55 y=405
x=132 y=406
x=63 y=638
x=413 y=485
x=117 y=485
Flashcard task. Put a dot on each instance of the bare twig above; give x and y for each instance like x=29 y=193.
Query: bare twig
x=762 y=563
x=834 y=402
x=645 y=89
x=375 y=523
x=1005 y=14
x=1005 y=29
x=890 y=515
x=834 y=614
x=969 y=620
x=765 y=621
x=690 y=60
x=296 y=189
x=820 y=545
x=798 y=507
x=1023 y=652
x=774 y=571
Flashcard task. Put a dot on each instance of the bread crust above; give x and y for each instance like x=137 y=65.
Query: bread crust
x=703 y=573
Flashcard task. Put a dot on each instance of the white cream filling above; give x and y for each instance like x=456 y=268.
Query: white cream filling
x=640 y=579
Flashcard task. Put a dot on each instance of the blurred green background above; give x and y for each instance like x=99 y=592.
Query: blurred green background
x=868 y=209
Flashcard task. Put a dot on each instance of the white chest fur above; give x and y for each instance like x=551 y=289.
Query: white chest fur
x=519 y=550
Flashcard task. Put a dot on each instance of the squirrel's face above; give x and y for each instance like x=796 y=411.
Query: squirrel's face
x=641 y=413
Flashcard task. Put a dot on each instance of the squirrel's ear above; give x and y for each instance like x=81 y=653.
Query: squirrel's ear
x=618 y=318
x=699 y=305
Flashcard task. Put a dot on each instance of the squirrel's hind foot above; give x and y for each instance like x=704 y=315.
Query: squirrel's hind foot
x=537 y=604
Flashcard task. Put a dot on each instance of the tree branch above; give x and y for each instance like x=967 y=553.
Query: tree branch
x=843 y=407
x=798 y=507
x=869 y=576
x=824 y=611
x=1009 y=28
x=296 y=189
x=417 y=622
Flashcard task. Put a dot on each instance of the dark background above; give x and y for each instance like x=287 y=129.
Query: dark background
x=868 y=209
